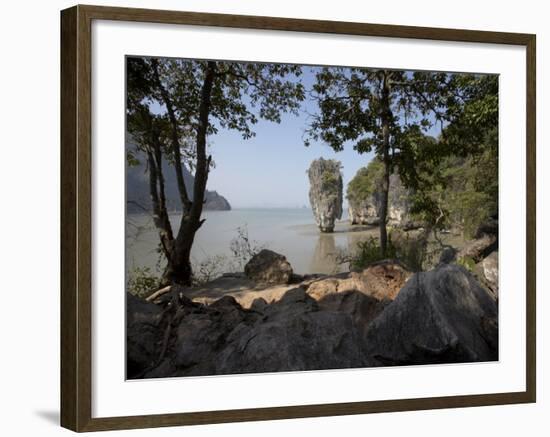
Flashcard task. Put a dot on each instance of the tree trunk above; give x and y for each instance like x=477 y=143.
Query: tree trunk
x=386 y=119
x=179 y=268
x=156 y=190
x=383 y=212
x=184 y=198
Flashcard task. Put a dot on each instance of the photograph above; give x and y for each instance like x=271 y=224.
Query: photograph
x=290 y=217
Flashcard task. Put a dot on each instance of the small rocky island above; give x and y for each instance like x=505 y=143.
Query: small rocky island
x=325 y=192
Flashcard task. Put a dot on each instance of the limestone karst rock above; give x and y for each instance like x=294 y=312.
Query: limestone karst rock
x=364 y=197
x=325 y=192
x=399 y=204
x=363 y=205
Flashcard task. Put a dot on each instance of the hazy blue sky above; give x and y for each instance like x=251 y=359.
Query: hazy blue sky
x=269 y=170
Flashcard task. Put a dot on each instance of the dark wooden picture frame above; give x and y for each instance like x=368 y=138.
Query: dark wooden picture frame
x=76 y=217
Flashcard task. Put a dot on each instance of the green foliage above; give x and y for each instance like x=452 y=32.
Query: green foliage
x=131 y=158
x=369 y=252
x=410 y=251
x=460 y=187
x=365 y=182
x=354 y=103
x=467 y=262
x=455 y=177
x=174 y=105
x=142 y=282
x=387 y=112
x=474 y=116
x=456 y=199
x=330 y=182
x=331 y=177
x=241 y=92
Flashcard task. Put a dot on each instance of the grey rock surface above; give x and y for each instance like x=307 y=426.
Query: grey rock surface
x=268 y=267
x=142 y=333
x=440 y=316
x=216 y=202
x=366 y=211
x=294 y=335
x=490 y=271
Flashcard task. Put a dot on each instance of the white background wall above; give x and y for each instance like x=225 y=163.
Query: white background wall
x=29 y=229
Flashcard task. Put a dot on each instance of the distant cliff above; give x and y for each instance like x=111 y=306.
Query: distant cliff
x=137 y=189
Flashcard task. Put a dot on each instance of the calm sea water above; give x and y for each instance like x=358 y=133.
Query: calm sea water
x=291 y=232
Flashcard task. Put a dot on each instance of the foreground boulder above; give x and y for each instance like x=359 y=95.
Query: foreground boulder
x=381 y=316
x=325 y=192
x=294 y=334
x=268 y=267
x=440 y=316
x=142 y=333
x=203 y=332
x=381 y=280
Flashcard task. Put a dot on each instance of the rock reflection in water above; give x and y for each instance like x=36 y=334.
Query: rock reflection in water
x=331 y=249
x=324 y=259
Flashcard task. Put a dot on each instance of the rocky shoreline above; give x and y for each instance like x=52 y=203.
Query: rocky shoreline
x=269 y=320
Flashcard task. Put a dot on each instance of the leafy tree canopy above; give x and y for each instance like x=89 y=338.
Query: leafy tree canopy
x=241 y=93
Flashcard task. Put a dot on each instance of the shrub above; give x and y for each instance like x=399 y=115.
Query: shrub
x=142 y=282
x=209 y=268
x=330 y=182
x=410 y=251
x=243 y=248
x=369 y=252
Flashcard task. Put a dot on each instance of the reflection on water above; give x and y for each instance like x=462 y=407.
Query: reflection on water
x=325 y=254
x=291 y=232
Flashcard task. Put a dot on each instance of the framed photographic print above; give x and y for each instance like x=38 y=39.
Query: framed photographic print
x=342 y=214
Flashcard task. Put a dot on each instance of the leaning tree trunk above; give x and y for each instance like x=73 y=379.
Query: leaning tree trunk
x=158 y=199
x=156 y=188
x=179 y=268
x=174 y=135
